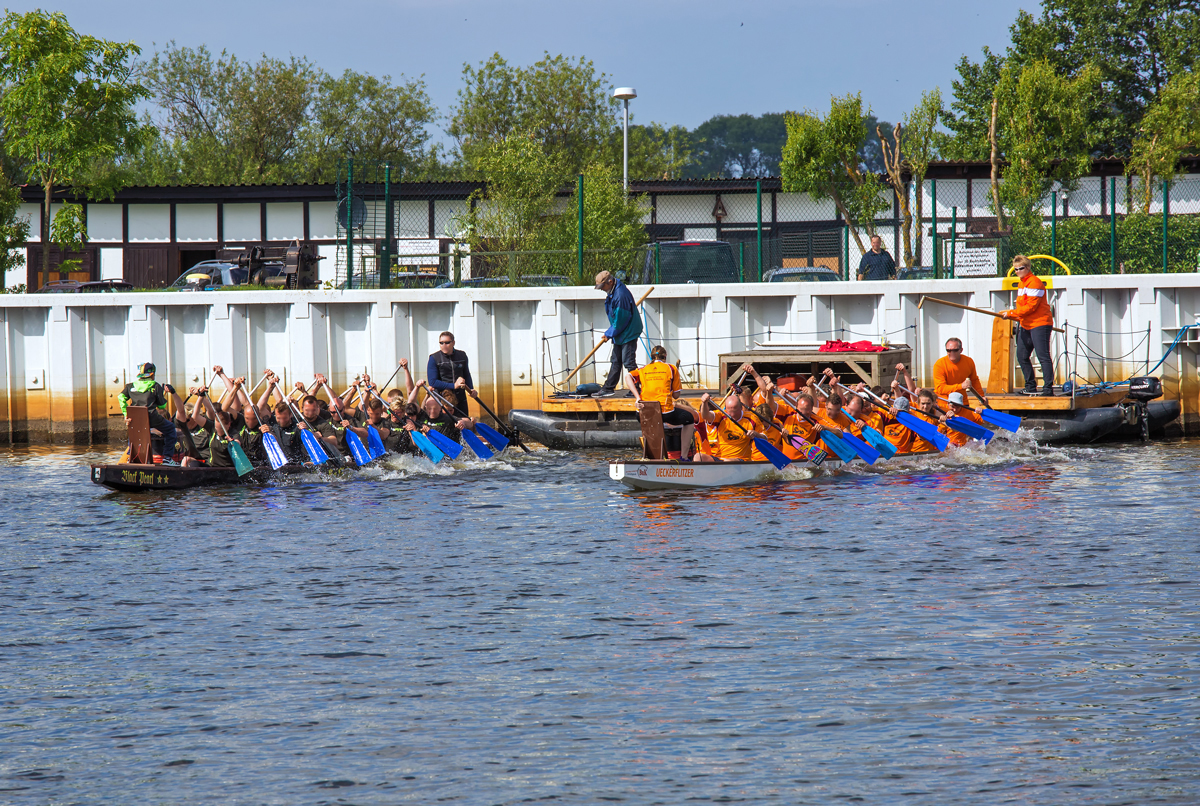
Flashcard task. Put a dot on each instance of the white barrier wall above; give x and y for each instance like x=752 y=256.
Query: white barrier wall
x=66 y=357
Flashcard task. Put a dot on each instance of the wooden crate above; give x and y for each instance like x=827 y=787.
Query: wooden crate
x=874 y=369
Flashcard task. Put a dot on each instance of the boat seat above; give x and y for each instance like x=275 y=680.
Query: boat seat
x=654 y=438
x=139 y=436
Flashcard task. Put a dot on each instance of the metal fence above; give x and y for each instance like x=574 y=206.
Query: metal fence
x=1106 y=225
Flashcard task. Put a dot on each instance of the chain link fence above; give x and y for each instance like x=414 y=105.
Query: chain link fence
x=751 y=231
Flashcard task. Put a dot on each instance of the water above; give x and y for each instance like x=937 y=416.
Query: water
x=1011 y=627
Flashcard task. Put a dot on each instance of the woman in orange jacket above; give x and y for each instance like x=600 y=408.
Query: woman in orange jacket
x=1036 y=320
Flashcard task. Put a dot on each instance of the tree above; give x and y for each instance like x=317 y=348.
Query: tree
x=1168 y=130
x=1137 y=46
x=14 y=229
x=655 y=151
x=565 y=105
x=871 y=149
x=821 y=158
x=739 y=146
x=912 y=146
x=68 y=232
x=69 y=99
x=1041 y=127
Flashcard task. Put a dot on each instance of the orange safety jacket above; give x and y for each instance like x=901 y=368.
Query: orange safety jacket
x=1032 y=309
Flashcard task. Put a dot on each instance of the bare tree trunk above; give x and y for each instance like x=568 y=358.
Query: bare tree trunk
x=837 y=200
x=894 y=164
x=995 y=158
x=918 y=181
x=48 y=188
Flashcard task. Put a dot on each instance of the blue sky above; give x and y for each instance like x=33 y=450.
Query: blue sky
x=688 y=60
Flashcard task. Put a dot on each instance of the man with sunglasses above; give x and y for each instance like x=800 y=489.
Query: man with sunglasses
x=955 y=372
x=449 y=372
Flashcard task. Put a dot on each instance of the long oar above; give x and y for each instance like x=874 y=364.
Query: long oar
x=587 y=357
x=275 y=455
x=497 y=440
x=870 y=434
x=773 y=454
x=374 y=440
x=922 y=428
x=969 y=308
x=833 y=443
x=420 y=440
x=357 y=449
x=811 y=452
x=1000 y=419
x=468 y=435
x=864 y=451
x=241 y=462
x=310 y=441
x=961 y=424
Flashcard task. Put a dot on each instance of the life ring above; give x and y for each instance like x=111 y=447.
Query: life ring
x=1044 y=257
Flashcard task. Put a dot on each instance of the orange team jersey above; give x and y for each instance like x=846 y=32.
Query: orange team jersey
x=874 y=419
x=899 y=435
x=796 y=425
x=782 y=411
x=732 y=442
x=658 y=380
x=948 y=376
x=1032 y=310
x=839 y=420
x=919 y=445
x=957 y=437
x=774 y=436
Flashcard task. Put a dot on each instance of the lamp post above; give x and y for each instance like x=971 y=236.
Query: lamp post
x=625 y=94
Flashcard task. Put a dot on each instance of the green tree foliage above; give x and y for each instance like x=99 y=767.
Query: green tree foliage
x=1137 y=46
x=919 y=141
x=14 y=229
x=226 y=121
x=1169 y=129
x=821 y=158
x=611 y=220
x=68 y=102
x=1043 y=133
x=68 y=232
x=871 y=150
x=565 y=105
x=523 y=180
x=739 y=146
x=655 y=151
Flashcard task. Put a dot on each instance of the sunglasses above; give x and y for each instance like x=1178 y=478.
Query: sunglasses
x=954 y=349
x=445 y=342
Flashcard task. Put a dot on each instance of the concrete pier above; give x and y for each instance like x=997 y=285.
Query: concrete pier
x=67 y=357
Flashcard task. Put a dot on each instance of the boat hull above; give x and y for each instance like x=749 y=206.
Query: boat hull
x=131 y=478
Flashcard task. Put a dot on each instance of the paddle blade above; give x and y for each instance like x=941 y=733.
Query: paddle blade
x=810 y=452
x=444 y=443
x=357 y=449
x=477 y=445
x=274 y=451
x=868 y=454
x=1000 y=419
x=312 y=446
x=835 y=445
x=773 y=454
x=924 y=429
x=877 y=441
x=494 y=437
x=375 y=442
x=427 y=447
x=973 y=430
x=241 y=462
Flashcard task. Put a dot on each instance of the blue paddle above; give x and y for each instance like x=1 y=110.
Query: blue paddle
x=353 y=441
x=444 y=443
x=427 y=447
x=922 y=428
x=312 y=445
x=477 y=445
x=494 y=437
x=972 y=430
x=871 y=435
x=773 y=454
x=374 y=441
x=1000 y=419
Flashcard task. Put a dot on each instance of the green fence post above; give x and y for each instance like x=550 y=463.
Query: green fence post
x=457 y=266
x=579 y=193
x=657 y=263
x=846 y=252
x=1166 y=205
x=1054 y=225
x=953 y=237
x=742 y=262
x=758 y=193
x=1112 y=225
x=385 y=271
x=350 y=223
x=937 y=263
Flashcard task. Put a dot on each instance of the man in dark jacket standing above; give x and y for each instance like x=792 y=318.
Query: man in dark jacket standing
x=450 y=374
x=624 y=327
x=877 y=264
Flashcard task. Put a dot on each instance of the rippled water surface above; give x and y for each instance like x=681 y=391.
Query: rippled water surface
x=1011 y=627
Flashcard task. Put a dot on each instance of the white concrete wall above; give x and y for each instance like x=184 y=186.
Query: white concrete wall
x=513 y=336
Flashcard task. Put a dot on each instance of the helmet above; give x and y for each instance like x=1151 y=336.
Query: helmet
x=146 y=370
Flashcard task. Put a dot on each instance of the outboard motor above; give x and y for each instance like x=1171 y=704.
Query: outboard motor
x=1142 y=391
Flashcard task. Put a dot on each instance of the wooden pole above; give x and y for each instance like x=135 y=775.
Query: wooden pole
x=976 y=310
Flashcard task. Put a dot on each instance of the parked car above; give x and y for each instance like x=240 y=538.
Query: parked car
x=915 y=273
x=221 y=274
x=802 y=274
x=691 y=262
x=91 y=287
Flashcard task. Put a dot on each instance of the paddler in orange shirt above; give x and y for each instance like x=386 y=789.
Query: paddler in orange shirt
x=925 y=409
x=794 y=424
x=765 y=410
x=955 y=372
x=830 y=414
x=957 y=407
x=734 y=434
x=1036 y=322
x=659 y=382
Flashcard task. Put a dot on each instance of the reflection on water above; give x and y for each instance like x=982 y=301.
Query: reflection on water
x=1013 y=624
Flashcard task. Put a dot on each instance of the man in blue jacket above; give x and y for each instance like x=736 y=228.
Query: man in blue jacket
x=624 y=327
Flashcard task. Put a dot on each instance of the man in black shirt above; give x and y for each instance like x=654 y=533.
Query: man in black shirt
x=877 y=264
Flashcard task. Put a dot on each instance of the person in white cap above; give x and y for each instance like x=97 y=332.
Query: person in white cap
x=958 y=408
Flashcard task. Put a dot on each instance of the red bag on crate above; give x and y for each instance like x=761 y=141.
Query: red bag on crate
x=838 y=346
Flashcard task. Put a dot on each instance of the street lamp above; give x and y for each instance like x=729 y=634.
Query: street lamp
x=625 y=94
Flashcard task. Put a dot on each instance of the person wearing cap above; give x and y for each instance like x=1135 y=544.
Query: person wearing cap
x=957 y=407
x=659 y=382
x=624 y=327
x=955 y=372
x=1036 y=321
x=145 y=392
